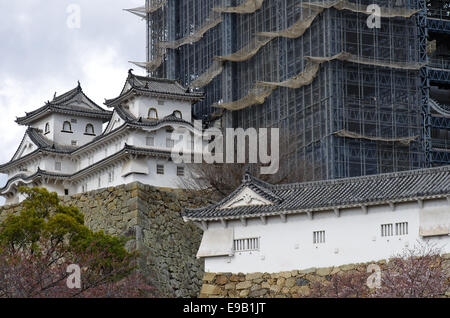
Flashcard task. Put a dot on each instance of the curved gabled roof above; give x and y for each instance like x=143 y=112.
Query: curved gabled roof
x=42 y=143
x=73 y=102
x=151 y=86
x=331 y=194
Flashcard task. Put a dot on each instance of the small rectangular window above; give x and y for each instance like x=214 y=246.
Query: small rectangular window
x=74 y=142
x=401 y=228
x=58 y=166
x=319 y=237
x=170 y=143
x=160 y=169
x=111 y=176
x=180 y=171
x=150 y=141
x=246 y=245
x=160 y=102
x=73 y=121
x=66 y=192
x=387 y=230
x=99 y=182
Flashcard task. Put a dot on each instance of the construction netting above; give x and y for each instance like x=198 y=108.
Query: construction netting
x=248 y=6
x=247 y=51
x=256 y=96
x=304 y=78
x=262 y=90
x=297 y=29
x=154 y=64
x=403 y=140
x=196 y=35
x=347 y=57
x=214 y=70
x=362 y=8
x=153 y=6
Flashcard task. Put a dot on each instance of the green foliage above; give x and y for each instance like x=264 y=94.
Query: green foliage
x=43 y=216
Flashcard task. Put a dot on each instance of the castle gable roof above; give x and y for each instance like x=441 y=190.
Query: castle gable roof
x=328 y=195
x=73 y=102
x=41 y=143
x=157 y=87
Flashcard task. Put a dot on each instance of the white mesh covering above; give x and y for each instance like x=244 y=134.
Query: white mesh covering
x=249 y=6
x=361 y=8
x=247 y=51
x=214 y=70
x=262 y=90
x=152 y=65
x=297 y=29
x=213 y=20
x=256 y=96
x=344 y=56
x=143 y=11
x=348 y=134
x=304 y=78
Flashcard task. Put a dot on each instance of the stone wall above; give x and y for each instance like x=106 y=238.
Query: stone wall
x=150 y=219
x=292 y=284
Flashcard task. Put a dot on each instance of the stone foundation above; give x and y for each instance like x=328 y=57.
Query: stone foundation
x=292 y=284
x=150 y=219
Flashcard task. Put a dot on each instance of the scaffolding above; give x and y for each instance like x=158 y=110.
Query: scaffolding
x=352 y=100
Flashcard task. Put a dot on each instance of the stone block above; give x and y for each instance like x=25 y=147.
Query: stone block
x=324 y=271
x=307 y=271
x=304 y=291
x=281 y=281
x=221 y=280
x=253 y=276
x=209 y=277
x=275 y=289
x=258 y=293
x=210 y=290
x=286 y=274
x=244 y=293
x=243 y=285
x=290 y=282
x=230 y=286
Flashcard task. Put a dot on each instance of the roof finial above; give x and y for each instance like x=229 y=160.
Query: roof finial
x=79 y=86
x=130 y=71
x=54 y=96
x=247 y=176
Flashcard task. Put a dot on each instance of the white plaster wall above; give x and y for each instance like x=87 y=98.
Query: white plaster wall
x=123 y=176
x=78 y=129
x=40 y=124
x=140 y=106
x=353 y=237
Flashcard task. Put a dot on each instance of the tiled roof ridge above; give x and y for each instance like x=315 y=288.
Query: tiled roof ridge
x=350 y=192
x=362 y=178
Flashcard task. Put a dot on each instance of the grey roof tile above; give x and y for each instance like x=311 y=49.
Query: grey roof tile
x=341 y=193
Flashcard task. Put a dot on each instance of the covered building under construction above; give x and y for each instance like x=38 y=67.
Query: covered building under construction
x=350 y=96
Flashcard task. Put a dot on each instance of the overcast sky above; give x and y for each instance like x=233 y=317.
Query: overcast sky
x=43 y=51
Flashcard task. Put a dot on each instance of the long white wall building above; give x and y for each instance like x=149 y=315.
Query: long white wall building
x=271 y=228
x=66 y=150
